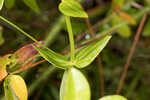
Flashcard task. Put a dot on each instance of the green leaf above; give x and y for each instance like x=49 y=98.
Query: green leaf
x=1 y=4
x=146 y=30
x=15 y=88
x=72 y=8
x=9 y=3
x=74 y=86
x=33 y=5
x=89 y=53
x=123 y=31
x=54 y=58
x=113 y=97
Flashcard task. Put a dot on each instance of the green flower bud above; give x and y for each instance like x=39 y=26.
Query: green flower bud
x=113 y=97
x=74 y=86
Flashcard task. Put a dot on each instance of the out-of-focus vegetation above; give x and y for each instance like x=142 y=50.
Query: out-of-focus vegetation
x=43 y=21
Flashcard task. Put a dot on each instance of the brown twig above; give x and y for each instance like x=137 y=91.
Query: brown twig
x=132 y=49
x=97 y=8
x=98 y=59
x=89 y=27
x=35 y=64
x=94 y=27
x=136 y=5
x=101 y=75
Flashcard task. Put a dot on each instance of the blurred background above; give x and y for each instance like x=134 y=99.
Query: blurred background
x=42 y=20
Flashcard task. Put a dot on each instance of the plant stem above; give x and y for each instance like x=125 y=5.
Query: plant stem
x=17 y=28
x=71 y=39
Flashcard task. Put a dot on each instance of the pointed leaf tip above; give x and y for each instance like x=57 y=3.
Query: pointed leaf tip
x=33 y=5
x=89 y=53
x=1 y=4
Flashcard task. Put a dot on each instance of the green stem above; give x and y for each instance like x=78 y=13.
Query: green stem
x=71 y=39
x=17 y=28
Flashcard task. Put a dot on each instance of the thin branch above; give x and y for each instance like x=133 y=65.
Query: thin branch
x=136 y=5
x=100 y=67
x=132 y=49
x=35 y=64
x=89 y=27
x=94 y=27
